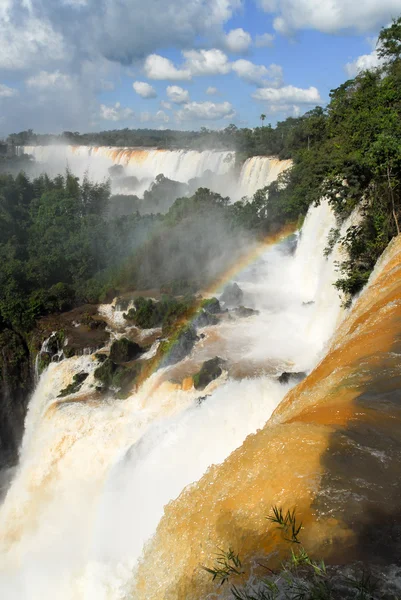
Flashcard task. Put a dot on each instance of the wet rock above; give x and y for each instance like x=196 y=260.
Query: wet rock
x=122 y=304
x=70 y=339
x=287 y=377
x=16 y=383
x=75 y=386
x=211 y=370
x=201 y=399
x=105 y=372
x=205 y=319
x=100 y=357
x=212 y=306
x=232 y=295
x=116 y=171
x=118 y=377
x=243 y=312
x=175 y=350
x=123 y=350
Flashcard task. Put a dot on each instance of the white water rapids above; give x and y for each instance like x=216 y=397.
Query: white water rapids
x=95 y=474
x=215 y=169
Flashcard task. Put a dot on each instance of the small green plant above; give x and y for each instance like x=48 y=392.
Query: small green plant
x=226 y=564
x=287 y=523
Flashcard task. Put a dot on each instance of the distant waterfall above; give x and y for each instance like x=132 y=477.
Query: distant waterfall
x=214 y=168
x=143 y=163
x=257 y=172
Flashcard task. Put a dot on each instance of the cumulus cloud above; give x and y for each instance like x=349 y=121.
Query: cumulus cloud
x=264 y=41
x=206 y=62
x=115 y=113
x=205 y=111
x=143 y=89
x=237 y=40
x=162 y=117
x=288 y=94
x=288 y=99
x=7 y=92
x=177 y=94
x=27 y=40
x=77 y=37
x=258 y=74
x=159 y=67
x=212 y=91
x=330 y=16
x=165 y=105
x=363 y=63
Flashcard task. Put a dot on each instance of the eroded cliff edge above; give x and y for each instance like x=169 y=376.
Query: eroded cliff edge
x=332 y=449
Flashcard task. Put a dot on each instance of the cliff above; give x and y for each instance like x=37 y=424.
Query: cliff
x=331 y=449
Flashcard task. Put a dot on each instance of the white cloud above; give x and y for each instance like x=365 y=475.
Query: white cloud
x=288 y=95
x=258 y=74
x=238 y=40
x=177 y=94
x=50 y=81
x=212 y=91
x=363 y=63
x=28 y=41
x=162 y=117
x=205 y=111
x=330 y=16
x=264 y=41
x=206 y=62
x=165 y=105
x=143 y=89
x=115 y=113
x=7 y=92
x=159 y=67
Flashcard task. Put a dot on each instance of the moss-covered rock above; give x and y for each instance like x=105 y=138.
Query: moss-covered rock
x=75 y=386
x=119 y=377
x=105 y=372
x=211 y=370
x=212 y=306
x=123 y=350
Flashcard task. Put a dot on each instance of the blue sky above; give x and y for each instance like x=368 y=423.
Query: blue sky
x=182 y=64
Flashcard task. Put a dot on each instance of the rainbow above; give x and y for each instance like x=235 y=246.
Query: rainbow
x=216 y=287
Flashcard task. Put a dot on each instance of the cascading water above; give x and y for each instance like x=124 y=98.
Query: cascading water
x=258 y=172
x=214 y=169
x=143 y=163
x=95 y=473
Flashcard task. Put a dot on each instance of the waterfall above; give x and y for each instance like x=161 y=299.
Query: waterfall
x=213 y=169
x=95 y=473
x=258 y=172
x=143 y=163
